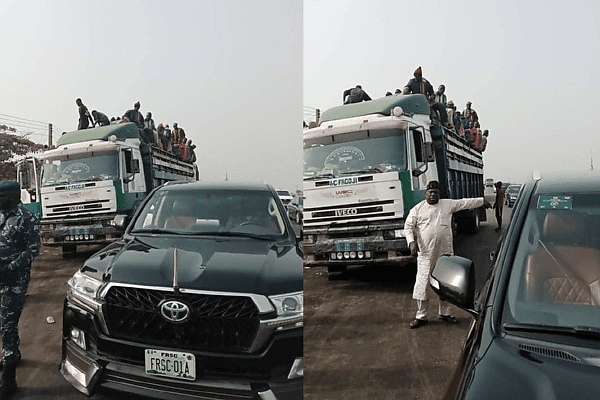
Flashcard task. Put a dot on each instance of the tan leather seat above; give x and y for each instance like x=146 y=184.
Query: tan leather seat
x=562 y=269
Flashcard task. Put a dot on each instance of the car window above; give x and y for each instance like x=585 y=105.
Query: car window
x=555 y=279
x=216 y=211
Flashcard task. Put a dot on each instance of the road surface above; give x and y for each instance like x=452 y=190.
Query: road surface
x=357 y=341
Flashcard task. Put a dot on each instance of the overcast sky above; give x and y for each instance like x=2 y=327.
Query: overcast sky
x=229 y=72
x=530 y=68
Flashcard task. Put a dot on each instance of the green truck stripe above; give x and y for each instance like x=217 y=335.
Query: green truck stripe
x=410 y=198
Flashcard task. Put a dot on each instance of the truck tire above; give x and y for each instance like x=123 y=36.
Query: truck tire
x=472 y=222
x=68 y=250
x=336 y=273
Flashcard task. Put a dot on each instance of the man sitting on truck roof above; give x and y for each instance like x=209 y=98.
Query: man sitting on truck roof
x=355 y=95
x=471 y=115
x=420 y=85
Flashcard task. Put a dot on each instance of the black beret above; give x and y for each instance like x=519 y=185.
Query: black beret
x=9 y=186
x=433 y=185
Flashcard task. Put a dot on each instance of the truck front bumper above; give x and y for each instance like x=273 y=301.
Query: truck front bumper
x=80 y=231
x=322 y=250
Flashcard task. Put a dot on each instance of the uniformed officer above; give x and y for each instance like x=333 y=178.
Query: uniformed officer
x=19 y=245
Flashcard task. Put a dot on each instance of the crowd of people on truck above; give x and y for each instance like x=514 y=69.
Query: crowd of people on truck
x=162 y=137
x=464 y=124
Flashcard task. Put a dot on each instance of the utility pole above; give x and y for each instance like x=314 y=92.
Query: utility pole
x=49 y=135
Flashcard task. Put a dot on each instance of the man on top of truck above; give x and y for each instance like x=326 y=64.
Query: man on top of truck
x=134 y=115
x=84 y=115
x=355 y=95
x=420 y=85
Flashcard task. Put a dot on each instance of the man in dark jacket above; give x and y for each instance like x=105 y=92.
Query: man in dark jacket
x=135 y=115
x=19 y=245
x=100 y=119
x=355 y=95
x=84 y=115
x=420 y=85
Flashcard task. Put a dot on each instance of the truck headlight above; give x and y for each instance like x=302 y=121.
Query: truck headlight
x=290 y=310
x=393 y=234
x=83 y=290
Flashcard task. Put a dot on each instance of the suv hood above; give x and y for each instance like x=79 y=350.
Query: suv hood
x=533 y=370
x=239 y=265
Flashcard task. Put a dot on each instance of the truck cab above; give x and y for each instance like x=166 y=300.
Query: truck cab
x=365 y=166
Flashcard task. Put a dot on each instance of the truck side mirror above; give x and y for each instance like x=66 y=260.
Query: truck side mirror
x=132 y=166
x=428 y=152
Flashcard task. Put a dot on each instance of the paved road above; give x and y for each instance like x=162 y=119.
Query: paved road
x=357 y=341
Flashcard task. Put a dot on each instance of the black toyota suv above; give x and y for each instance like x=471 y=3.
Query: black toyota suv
x=201 y=299
x=536 y=333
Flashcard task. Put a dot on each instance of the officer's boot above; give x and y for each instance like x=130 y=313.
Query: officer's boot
x=8 y=387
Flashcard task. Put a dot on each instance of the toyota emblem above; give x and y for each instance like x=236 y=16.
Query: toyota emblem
x=175 y=311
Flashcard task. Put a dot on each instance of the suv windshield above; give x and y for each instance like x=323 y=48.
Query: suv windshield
x=555 y=280
x=226 y=212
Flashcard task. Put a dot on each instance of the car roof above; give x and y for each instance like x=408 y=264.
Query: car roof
x=569 y=182
x=223 y=185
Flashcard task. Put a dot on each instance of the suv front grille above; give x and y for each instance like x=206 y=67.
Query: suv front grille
x=218 y=322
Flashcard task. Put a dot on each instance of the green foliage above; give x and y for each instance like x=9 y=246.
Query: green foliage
x=11 y=146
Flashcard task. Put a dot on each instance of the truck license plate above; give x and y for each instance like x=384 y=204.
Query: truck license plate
x=349 y=246
x=171 y=364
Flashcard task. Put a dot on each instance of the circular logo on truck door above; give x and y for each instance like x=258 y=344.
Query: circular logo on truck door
x=175 y=311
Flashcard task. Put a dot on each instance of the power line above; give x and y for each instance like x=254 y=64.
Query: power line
x=23 y=119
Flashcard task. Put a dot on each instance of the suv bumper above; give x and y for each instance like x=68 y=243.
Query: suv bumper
x=87 y=375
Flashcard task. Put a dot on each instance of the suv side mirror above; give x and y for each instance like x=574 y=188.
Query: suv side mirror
x=121 y=221
x=453 y=279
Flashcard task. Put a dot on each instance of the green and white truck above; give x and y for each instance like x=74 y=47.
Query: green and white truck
x=365 y=166
x=91 y=177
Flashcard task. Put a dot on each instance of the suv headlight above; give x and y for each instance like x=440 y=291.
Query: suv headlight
x=83 y=290
x=290 y=310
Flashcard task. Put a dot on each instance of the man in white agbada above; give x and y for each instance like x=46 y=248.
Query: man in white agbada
x=428 y=231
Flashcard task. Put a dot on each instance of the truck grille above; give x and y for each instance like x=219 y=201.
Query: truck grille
x=218 y=322
x=350 y=212
x=79 y=208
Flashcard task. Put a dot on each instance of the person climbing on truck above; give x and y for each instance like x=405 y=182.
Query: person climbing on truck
x=100 y=119
x=355 y=95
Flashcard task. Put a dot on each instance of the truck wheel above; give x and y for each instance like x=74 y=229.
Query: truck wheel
x=472 y=222
x=336 y=273
x=68 y=250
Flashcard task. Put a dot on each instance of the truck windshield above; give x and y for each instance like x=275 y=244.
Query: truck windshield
x=97 y=168
x=365 y=151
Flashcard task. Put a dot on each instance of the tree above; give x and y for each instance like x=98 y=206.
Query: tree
x=10 y=146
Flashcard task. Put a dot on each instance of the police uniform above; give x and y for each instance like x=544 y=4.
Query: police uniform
x=19 y=244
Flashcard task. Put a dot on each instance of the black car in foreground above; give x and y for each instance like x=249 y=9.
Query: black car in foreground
x=536 y=333
x=201 y=299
